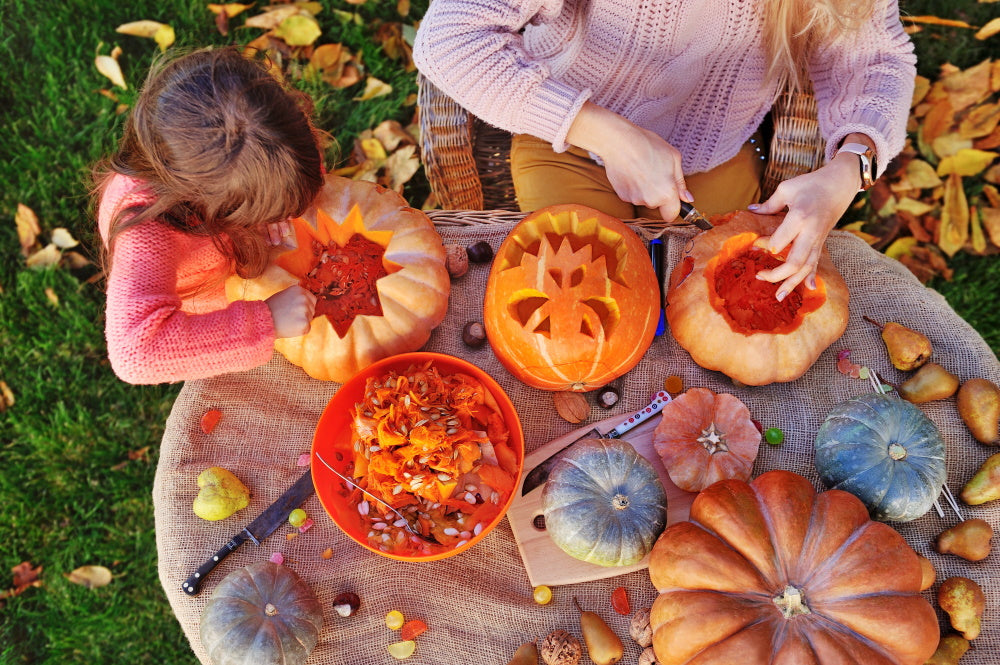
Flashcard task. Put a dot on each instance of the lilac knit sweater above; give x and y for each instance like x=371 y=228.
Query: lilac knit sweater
x=693 y=71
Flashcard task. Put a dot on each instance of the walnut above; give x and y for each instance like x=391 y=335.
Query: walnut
x=561 y=648
x=639 y=628
x=647 y=657
x=456 y=260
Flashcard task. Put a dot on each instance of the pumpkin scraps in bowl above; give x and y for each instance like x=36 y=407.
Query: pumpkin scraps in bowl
x=434 y=447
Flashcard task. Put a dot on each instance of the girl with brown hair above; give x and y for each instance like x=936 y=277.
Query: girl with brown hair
x=216 y=155
x=631 y=106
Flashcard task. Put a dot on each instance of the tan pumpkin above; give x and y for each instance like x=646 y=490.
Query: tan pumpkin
x=704 y=437
x=771 y=572
x=731 y=322
x=388 y=304
x=572 y=300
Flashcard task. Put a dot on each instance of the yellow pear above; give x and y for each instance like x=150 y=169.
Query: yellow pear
x=603 y=645
x=978 y=403
x=930 y=382
x=908 y=349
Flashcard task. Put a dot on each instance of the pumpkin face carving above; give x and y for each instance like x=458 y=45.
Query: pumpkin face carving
x=572 y=300
x=731 y=322
x=771 y=572
x=377 y=268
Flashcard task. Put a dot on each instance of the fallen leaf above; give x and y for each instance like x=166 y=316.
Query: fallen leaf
x=990 y=217
x=913 y=206
x=52 y=296
x=921 y=174
x=968 y=86
x=230 y=9
x=991 y=28
x=571 y=407
x=988 y=142
x=25 y=576
x=949 y=144
x=992 y=174
x=966 y=162
x=46 y=257
x=63 y=239
x=374 y=88
x=271 y=17
x=402 y=165
x=161 y=33
x=980 y=121
x=75 y=260
x=109 y=67
x=91 y=577
x=954 y=229
x=855 y=228
x=392 y=134
x=373 y=148
x=992 y=195
x=921 y=85
x=934 y=20
x=298 y=30
x=403 y=7
x=6 y=396
x=901 y=247
x=937 y=121
x=27 y=227
x=976 y=236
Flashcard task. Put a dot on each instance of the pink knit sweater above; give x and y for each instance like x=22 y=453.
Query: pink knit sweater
x=154 y=334
x=692 y=71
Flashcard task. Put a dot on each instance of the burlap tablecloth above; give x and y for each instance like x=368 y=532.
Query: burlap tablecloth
x=478 y=604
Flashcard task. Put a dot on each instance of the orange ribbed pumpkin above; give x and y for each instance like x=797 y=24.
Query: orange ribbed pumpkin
x=772 y=573
x=572 y=300
x=391 y=309
x=730 y=321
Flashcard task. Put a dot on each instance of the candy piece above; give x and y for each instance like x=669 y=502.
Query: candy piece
x=864 y=373
x=542 y=595
x=394 y=620
x=210 y=420
x=844 y=365
x=673 y=384
x=402 y=650
x=277 y=558
x=327 y=553
x=774 y=436
x=411 y=629
x=305 y=526
x=619 y=601
x=843 y=353
x=304 y=460
x=297 y=517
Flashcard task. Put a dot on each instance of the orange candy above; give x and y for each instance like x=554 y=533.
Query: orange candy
x=411 y=629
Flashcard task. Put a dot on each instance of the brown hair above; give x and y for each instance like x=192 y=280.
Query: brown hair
x=224 y=146
x=795 y=28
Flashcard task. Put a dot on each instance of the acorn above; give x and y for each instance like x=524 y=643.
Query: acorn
x=480 y=252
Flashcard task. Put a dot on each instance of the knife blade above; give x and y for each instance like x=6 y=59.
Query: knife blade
x=259 y=529
x=691 y=215
x=538 y=475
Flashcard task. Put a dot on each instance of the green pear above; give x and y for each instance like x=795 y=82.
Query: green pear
x=931 y=382
x=985 y=484
x=978 y=403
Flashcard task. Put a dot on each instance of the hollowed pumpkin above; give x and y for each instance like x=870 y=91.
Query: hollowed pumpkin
x=771 y=572
x=378 y=270
x=572 y=301
x=730 y=321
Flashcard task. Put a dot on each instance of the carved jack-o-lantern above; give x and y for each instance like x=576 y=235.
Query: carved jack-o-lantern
x=572 y=301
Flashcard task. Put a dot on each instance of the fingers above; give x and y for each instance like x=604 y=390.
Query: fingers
x=277 y=232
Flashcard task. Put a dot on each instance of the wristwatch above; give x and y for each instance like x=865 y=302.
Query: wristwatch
x=868 y=163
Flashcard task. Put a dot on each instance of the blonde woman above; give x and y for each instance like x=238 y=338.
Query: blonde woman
x=632 y=106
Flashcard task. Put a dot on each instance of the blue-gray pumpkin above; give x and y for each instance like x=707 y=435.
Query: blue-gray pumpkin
x=604 y=503
x=886 y=452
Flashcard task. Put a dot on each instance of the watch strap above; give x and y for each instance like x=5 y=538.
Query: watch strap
x=867 y=163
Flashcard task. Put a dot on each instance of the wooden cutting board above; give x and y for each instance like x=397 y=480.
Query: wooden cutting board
x=544 y=561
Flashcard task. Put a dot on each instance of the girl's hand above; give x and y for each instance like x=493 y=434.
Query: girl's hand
x=292 y=311
x=643 y=168
x=815 y=202
x=278 y=231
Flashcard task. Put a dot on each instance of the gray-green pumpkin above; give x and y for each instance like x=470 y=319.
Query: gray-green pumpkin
x=263 y=614
x=604 y=503
x=886 y=452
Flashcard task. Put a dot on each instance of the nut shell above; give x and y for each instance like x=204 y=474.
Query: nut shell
x=639 y=628
x=456 y=260
x=561 y=648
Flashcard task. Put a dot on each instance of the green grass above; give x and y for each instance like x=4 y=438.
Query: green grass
x=61 y=503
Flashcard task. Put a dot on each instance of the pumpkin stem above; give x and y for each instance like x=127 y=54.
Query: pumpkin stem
x=791 y=603
x=897 y=451
x=713 y=440
x=270 y=610
x=619 y=502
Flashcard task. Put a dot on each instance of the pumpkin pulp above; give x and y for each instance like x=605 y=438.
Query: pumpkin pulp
x=748 y=304
x=341 y=265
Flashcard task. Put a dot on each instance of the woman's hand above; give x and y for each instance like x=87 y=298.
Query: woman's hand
x=278 y=231
x=643 y=168
x=815 y=202
x=292 y=310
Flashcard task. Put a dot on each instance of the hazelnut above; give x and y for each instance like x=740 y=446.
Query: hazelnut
x=456 y=260
x=639 y=628
x=474 y=334
x=480 y=252
x=346 y=603
x=647 y=657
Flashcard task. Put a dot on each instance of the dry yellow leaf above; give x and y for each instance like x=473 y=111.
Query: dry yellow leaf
x=980 y=121
x=373 y=148
x=976 y=237
x=139 y=28
x=934 y=20
x=46 y=257
x=921 y=85
x=374 y=88
x=913 y=206
x=571 y=407
x=937 y=121
x=990 y=218
x=968 y=86
x=63 y=239
x=27 y=227
x=988 y=30
x=966 y=162
x=108 y=66
x=391 y=134
x=992 y=174
x=948 y=145
x=954 y=229
x=403 y=7
x=992 y=195
x=900 y=247
x=921 y=175
x=401 y=166
x=90 y=576
x=52 y=296
x=271 y=17
x=6 y=396
x=230 y=9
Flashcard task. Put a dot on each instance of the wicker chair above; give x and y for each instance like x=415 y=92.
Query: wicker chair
x=467 y=161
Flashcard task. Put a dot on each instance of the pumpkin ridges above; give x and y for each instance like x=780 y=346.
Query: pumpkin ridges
x=787 y=505
x=844 y=649
x=750 y=645
x=697 y=556
x=687 y=622
x=877 y=618
x=835 y=517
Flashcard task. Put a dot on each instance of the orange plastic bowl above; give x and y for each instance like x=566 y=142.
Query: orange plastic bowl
x=333 y=441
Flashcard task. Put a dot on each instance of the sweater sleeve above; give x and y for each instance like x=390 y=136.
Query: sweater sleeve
x=864 y=83
x=472 y=50
x=151 y=340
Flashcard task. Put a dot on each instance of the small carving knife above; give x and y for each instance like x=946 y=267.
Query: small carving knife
x=691 y=215
x=273 y=516
x=540 y=473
